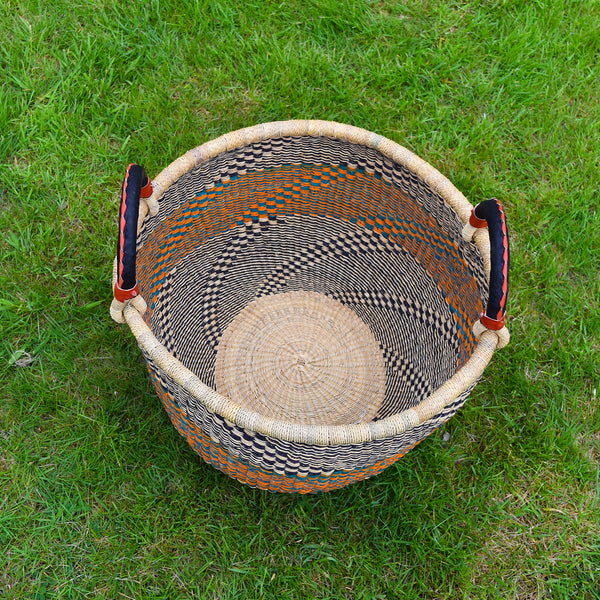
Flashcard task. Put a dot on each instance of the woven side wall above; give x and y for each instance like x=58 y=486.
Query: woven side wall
x=373 y=248
x=243 y=217
x=275 y=153
x=305 y=467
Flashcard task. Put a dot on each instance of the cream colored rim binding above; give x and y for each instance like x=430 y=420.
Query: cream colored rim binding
x=302 y=433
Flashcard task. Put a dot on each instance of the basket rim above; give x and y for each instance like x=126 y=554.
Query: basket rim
x=321 y=435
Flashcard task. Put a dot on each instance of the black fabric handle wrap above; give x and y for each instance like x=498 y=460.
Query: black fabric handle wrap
x=136 y=179
x=490 y=212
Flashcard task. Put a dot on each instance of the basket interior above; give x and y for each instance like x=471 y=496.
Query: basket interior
x=325 y=217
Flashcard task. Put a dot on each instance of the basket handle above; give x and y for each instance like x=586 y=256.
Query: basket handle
x=136 y=185
x=490 y=214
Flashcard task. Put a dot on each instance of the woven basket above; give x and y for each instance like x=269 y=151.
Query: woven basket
x=312 y=299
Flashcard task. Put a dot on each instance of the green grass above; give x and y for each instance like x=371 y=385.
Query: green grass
x=99 y=495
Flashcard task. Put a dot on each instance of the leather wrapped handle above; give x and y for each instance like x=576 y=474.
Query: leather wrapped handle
x=490 y=214
x=136 y=185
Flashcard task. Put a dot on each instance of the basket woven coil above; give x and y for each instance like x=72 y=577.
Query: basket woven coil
x=308 y=300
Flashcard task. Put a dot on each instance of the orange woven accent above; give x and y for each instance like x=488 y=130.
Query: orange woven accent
x=212 y=453
x=347 y=194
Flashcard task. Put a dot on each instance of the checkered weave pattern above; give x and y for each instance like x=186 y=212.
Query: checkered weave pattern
x=327 y=220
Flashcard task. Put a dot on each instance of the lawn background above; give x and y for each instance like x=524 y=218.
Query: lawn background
x=99 y=495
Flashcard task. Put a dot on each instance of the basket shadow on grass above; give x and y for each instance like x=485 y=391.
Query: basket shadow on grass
x=115 y=494
x=497 y=504
x=424 y=517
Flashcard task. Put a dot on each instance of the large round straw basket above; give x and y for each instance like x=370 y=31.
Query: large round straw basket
x=311 y=299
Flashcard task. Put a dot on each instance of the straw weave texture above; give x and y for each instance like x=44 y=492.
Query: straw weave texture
x=310 y=302
x=304 y=358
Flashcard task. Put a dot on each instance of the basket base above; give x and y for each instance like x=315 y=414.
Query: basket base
x=304 y=358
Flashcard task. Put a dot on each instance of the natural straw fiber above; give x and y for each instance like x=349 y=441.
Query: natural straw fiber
x=310 y=302
x=301 y=357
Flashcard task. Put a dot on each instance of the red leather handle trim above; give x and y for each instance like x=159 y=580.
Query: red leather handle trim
x=124 y=295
